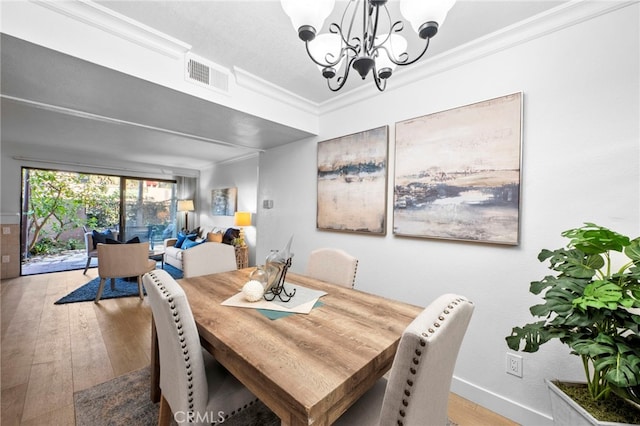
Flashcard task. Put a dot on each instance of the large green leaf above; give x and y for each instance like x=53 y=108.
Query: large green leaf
x=559 y=295
x=533 y=335
x=632 y=251
x=600 y=294
x=592 y=239
x=573 y=263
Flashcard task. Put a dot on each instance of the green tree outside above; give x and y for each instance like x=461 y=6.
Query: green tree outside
x=62 y=201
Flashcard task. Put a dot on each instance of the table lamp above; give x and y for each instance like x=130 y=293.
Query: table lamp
x=186 y=206
x=242 y=219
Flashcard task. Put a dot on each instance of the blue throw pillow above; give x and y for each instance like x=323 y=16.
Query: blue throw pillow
x=181 y=238
x=188 y=243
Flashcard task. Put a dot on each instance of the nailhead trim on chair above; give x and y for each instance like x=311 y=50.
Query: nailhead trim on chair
x=183 y=344
x=416 y=360
x=355 y=272
x=187 y=358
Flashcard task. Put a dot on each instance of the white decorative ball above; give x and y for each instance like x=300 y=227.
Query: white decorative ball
x=253 y=291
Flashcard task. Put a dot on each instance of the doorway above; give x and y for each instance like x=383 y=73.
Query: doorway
x=58 y=207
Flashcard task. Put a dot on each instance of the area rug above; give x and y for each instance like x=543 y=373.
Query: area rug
x=123 y=288
x=125 y=401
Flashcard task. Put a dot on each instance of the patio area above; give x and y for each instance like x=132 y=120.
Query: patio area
x=68 y=260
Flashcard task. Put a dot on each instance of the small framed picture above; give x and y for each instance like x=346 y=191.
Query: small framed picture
x=224 y=201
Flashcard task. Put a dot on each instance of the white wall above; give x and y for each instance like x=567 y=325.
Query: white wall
x=581 y=162
x=242 y=175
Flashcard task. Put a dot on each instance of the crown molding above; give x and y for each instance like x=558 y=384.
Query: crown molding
x=556 y=19
x=263 y=87
x=100 y=17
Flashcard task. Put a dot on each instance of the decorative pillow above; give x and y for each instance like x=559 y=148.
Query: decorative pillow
x=101 y=237
x=134 y=240
x=214 y=237
x=230 y=235
x=188 y=243
x=182 y=237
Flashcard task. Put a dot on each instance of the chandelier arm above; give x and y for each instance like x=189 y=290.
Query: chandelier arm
x=397 y=26
x=403 y=63
x=391 y=28
x=353 y=17
x=337 y=29
x=322 y=64
x=343 y=79
x=381 y=84
x=375 y=26
x=365 y=26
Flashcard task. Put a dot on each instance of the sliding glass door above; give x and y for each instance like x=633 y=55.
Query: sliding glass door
x=58 y=207
x=149 y=210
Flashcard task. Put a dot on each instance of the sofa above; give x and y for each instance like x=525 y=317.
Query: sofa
x=174 y=255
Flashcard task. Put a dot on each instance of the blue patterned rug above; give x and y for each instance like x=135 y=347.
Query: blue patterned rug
x=123 y=288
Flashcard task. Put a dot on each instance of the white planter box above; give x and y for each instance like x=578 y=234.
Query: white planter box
x=568 y=413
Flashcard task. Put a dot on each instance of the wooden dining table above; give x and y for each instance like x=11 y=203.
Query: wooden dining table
x=307 y=368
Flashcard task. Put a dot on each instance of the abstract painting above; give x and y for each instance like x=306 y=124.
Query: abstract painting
x=223 y=201
x=352 y=182
x=457 y=173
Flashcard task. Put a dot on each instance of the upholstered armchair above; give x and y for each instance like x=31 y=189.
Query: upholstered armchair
x=123 y=261
x=92 y=252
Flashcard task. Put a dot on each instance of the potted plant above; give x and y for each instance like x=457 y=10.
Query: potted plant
x=592 y=308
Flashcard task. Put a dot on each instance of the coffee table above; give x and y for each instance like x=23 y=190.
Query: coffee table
x=158 y=256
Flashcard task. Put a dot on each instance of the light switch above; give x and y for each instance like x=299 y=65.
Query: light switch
x=6 y=230
x=6 y=259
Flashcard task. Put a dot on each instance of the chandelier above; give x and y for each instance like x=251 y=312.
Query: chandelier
x=367 y=38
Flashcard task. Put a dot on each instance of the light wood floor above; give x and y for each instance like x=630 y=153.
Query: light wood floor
x=49 y=351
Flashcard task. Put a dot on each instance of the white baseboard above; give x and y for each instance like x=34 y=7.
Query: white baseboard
x=499 y=404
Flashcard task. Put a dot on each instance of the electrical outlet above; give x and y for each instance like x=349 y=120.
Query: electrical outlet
x=6 y=259
x=514 y=365
x=6 y=230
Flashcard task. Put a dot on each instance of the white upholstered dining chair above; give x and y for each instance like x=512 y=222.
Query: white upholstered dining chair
x=193 y=385
x=123 y=261
x=333 y=265
x=417 y=391
x=208 y=258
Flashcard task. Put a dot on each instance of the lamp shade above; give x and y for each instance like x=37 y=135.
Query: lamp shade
x=242 y=219
x=419 y=12
x=307 y=12
x=185 y=206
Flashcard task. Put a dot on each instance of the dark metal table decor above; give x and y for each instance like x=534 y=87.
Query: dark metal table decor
x=276 y=287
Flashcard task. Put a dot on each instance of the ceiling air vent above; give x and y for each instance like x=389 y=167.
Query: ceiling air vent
x=207 y=74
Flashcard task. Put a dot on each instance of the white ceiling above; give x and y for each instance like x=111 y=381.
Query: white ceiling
x=53 y=101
